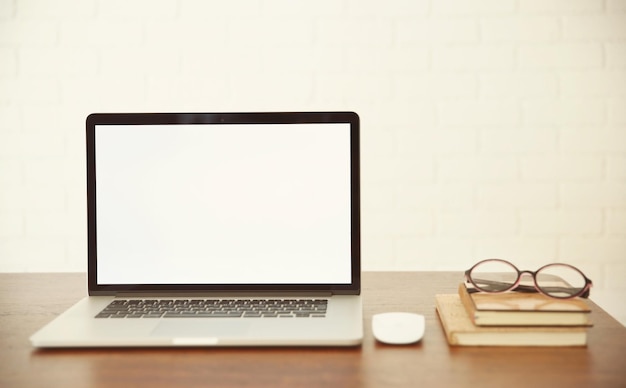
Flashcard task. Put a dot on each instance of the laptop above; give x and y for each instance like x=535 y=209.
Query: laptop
x=219 y=229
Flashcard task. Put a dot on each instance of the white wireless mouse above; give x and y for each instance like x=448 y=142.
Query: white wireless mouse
x=398 y=328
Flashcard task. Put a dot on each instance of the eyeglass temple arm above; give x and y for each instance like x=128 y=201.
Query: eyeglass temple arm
x=525 y=288
x=487 y=282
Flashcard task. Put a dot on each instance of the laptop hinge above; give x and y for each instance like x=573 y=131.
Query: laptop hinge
x=255 y=294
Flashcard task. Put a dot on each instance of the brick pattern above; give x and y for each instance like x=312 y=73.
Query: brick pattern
x=491 y=128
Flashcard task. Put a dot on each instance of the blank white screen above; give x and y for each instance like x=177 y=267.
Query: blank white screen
x=223 y=204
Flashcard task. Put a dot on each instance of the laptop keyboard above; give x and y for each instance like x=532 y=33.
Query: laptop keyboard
x=215 y=308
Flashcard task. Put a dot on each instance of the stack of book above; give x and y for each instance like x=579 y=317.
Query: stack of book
x=512 y=319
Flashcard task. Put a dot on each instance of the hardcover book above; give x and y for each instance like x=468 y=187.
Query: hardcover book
x=523 y=309
x=460 y=330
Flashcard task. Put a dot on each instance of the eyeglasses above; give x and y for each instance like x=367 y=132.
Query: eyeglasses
x=556 y=280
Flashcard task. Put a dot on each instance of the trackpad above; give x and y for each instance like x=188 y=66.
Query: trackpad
x=199 y=328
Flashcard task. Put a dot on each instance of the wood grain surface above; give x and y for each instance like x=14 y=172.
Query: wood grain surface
x=28 y=301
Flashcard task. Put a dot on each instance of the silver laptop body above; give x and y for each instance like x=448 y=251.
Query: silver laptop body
x=219 y=229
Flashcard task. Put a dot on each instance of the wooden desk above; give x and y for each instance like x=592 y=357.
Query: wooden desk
x=28 y=301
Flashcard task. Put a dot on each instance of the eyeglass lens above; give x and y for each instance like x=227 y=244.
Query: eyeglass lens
x=560 y=281
x=494 y=275
x=556 y=280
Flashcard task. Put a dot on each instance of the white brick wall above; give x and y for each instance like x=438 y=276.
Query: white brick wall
x=491 y=128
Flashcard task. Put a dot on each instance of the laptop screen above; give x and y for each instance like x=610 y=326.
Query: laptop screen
x=249 y=199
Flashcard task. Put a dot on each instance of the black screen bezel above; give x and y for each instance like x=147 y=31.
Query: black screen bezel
x=97 y=119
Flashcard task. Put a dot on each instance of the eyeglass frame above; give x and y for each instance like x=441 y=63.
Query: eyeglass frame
x=516 y=286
